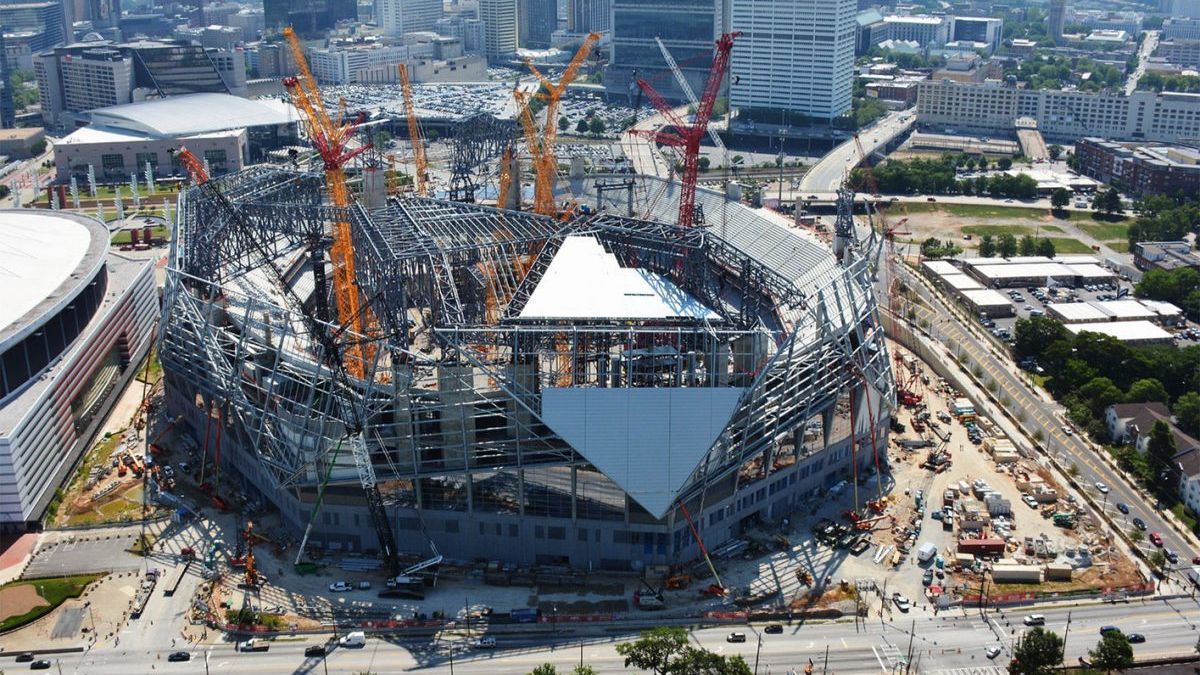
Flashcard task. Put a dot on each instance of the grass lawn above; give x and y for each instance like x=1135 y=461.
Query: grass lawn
x=108 y=191
x=1118 y=246
x=1105 y=231
x=973 y=210
x=55 y=591
x=1086 y=218
x=1065 y=245
x=122 y=237
x=151 y=371
x=997 y=230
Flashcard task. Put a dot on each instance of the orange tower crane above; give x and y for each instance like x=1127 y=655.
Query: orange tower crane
x=414 y=134
x=332 y=142
x=551 y=93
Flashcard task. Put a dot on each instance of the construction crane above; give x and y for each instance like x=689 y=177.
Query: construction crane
x=545 y=171
x=332 y=141
x=414 y=134
x=687 y=136
x=686 y=87
x=345 y=394
x=546 y=168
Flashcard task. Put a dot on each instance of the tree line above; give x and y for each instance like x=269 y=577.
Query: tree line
x=939 y=177
x=1007 y=246
x=1162 y=218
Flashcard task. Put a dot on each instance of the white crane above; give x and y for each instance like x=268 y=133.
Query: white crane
x=687 y=90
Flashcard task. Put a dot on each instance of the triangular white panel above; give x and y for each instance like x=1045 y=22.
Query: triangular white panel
x=648 y=441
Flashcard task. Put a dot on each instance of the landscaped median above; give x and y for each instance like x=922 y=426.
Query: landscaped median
x=23 y=602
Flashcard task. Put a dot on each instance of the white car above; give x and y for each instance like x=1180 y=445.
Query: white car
x=339 y=587
x=1101 y=487
x=1030 y=501
x=1068 y=430
x=902 y=603
x=992 y=652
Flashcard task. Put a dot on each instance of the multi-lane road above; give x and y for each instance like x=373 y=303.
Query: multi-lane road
x=826 y=176
x=951 y=642
x=1037 y=412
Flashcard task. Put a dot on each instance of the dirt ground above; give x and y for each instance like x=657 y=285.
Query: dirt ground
x=927 y=220
x=17 y=600
x=108 y=601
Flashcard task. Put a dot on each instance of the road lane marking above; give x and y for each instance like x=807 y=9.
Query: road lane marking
x=877 y=658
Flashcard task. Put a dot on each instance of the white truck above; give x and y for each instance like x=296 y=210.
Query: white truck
x=927 y=551
x=354 y=639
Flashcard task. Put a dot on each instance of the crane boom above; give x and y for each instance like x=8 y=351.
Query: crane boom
x=687 y=90
x=414 y=133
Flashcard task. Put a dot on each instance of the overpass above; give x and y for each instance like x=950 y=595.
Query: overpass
x=824 y=178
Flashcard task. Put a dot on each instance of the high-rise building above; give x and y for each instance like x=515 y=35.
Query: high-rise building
x=470 y=31
x=687 y=27
x=397 y=17
x=8 y=109
x=308 y=17
x=925 y=30
x=1188 y=9
x=499 y=26
x=589 y=16
x=536 y=22
x=37 y=24
x=977 y=29
x=1057 y=18
x=794 y=55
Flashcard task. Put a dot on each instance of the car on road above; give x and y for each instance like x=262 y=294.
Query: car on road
x=902 y=603
x=992 y=652
x=1105 y=630
x=25 y=657
x=176 y=657
x=1068 y=430
x=736 y=637
x=315 y=650
x=1035 y=620
x=1172 y=556
x=1136 y=638
x=773 y=629
x=930 y=199
x=1101 y=487
x=1156 y=539
x=1139 y=524
x=1123 y=507
x=40 y=664
x=339 y=587
x=489 y=642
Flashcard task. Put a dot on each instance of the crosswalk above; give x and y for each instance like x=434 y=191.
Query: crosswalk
x=990 y=670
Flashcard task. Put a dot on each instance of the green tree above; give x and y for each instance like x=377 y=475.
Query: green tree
x=983 y=163
x=597 y=126
x=583 y=670
x=987 y=246
x=1160 y=450
x=1145 y=390
x=1038 y=653
x=1028 y=245
x=1187 y=411
x=1045 y=248
x=1108 y=202
x=544 y=669
x=704 y=163
x=696 y=661
x=656 y=649
x=1006 y=245
x=1099 y=393
x=1055 y=151
x=1157 y=559
x=581 y=127
x=1059 y=199
x=1035 y=334
x=563 y=123
x=1112 y=652
x=1004 y=164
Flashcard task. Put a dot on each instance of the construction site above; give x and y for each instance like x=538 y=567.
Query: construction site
x=622 y=371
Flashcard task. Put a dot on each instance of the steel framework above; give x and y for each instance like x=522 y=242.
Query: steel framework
x=474 y=142
x=452 y=401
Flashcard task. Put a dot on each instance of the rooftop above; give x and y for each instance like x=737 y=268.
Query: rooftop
x=191 y=114
x=43 y=258
x=1126 y=331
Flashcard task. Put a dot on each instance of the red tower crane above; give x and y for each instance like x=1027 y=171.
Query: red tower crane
x=688 y=136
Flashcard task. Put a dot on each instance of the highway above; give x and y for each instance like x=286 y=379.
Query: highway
x=827 y=174
x=1037 y=411
x=953 y=640
x=1149 y=43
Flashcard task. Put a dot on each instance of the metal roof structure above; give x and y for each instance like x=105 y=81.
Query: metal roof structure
x=1143 y=332
x=985 y=297
x=191 y=114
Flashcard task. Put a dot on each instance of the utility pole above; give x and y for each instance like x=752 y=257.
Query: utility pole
x=1066 y=632
x=581 y=653
x=757 y=652
x=825 y=667
x=467 y=609
x=912 y=633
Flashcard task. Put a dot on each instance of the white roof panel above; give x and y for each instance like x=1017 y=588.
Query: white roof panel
x=648 y=441
x=1075 y=312
x=986 y=298
x=940 y=267
x=192 y=114
x=1090 y=271
x=961 y=282
x=1125 y=309
x=38 y=252
x=584 y=281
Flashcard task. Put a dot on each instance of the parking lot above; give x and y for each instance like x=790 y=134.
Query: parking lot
x=83 y=553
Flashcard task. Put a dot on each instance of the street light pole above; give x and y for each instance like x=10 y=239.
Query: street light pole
x=1066 y=632
x=757 y=652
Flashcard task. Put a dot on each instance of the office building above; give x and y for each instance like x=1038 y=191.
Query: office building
x=1057 y=18
x=869 y=31
x=1187 y=9
x=76 y=322
x=589 y=16
x=141 y=26
x=213 y=37
x=40 y=25
x=794 y=55
x=1178 y=28
x=687 y=27
x=536 y=22
x=1064 y=115
x=397 y=17
x=1184 y=53
x=308 y=17
x=8 y=109
x=346 y=64
x=1165 y=255
x=500 y=32
x=470 y=31
x=977 y=30
x=76 y=79
x=925 y=30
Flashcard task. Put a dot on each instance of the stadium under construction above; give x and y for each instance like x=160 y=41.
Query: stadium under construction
x=580 y=392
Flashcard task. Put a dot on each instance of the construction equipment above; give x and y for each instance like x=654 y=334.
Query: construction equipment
x=687 y=90
x=715 y=589
x=251 y=574
x=687 y=136
x=415 y=138
x=343 y=392
x=551 y=93
x=332 y=143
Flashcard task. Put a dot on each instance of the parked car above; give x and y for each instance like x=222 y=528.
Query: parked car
x=902 y=603
x=736 y=637
x=1123 y=507
x=180 y=656
x=1029 y=501
x=1101 y=487
x=773 y=629
x=339 y=587
x=1172 y=556
x=1156 y=539
x=1139 y=524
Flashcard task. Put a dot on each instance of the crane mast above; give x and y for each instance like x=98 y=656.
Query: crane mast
x=414 y=133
